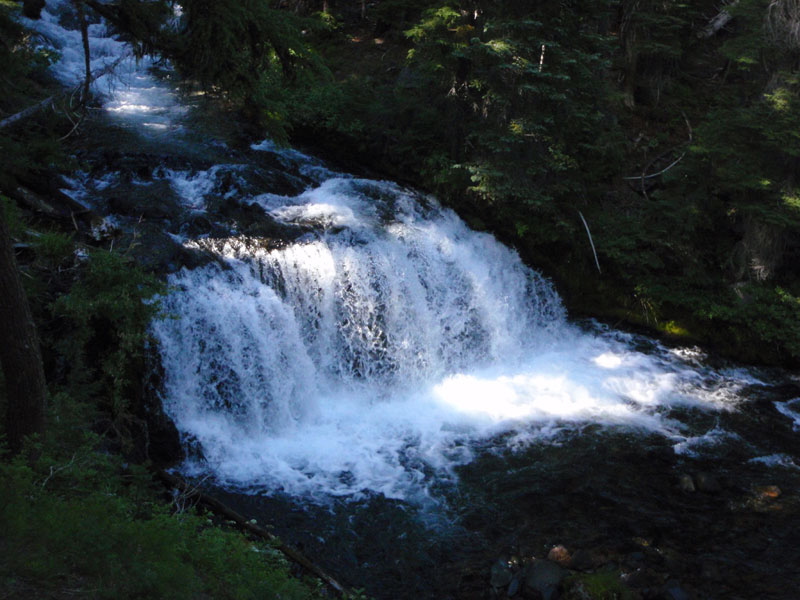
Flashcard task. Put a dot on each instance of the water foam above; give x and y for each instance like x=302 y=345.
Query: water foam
x=790 y=409
x=371 y=356
x=127 y=89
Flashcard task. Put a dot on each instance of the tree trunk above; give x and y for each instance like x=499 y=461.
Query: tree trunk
x=20 y=356
x=86 y=58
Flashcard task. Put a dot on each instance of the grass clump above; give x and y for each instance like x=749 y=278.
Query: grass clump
x=605 y=585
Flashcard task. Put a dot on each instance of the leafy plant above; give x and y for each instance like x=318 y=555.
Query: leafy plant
x=104 y=319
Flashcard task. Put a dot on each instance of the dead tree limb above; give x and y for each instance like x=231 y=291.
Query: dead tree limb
x=644 y=175
x=24 y=114
x=591 y=241
x=50 y=100
x=220 y=509
x=722 y=18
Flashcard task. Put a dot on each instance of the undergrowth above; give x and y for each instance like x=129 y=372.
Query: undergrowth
x=78 y=522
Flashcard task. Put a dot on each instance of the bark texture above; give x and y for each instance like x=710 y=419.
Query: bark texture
x=20 y=355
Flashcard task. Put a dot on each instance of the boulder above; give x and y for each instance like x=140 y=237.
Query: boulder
x=544 y=576
x=154 y=201
x=501 y=575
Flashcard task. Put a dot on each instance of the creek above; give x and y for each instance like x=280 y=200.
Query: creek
x=400 y=396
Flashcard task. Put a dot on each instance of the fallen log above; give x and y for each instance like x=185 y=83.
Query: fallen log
x=220 y=509
x=50 y=100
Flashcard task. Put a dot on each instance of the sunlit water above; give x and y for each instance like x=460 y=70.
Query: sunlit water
x=390 y=343
x=122 y=82
x=374 y=354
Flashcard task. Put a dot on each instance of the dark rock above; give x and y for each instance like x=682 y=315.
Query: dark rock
x=674 y=591
x=200 y=226
x=636 y=557
x=155 y=200
x=501 y=575
x=544 y=577
x=640 y=578
x=140 y=165
x=513 y=587
x=155 y=436
x=582 y=560
x=157 y=252
x=707 y=483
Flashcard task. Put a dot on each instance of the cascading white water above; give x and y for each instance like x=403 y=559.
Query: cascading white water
x=387 y=345
x=373 y=353
x=123 y=82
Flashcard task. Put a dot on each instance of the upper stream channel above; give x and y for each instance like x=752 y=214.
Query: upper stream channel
x=399 y=395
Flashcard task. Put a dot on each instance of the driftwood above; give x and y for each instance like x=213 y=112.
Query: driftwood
x=722 y=18
x=220 y=509
x=57 y=206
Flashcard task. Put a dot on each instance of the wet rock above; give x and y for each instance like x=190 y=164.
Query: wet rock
x=139 y=165
x=156 y=200
x=157 y=251
x=201 y=226
x=544 y=576
x=161 y=441
x=686 y=483
x=559 y=554
x=582 y=560
x=501 y=574
x=707 y=483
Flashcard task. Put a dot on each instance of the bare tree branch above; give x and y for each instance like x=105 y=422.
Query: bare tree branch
x=50 y=100
x=722 y=18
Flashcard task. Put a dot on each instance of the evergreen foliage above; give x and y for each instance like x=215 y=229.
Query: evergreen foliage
x=520 y=140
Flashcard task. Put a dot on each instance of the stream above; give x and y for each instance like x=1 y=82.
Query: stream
x=400 y=396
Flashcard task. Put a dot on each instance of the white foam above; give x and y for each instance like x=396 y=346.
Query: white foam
x=695 y=445
x=311 y=167
x=790 y=409
x=127 y=89
x=373 y=358
x=776 y=460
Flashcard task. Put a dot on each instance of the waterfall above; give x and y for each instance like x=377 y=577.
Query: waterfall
x=385 y=344
x=375 y=353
